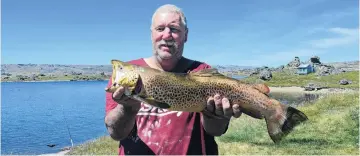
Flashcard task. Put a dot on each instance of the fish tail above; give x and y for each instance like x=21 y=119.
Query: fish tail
x=283 y=122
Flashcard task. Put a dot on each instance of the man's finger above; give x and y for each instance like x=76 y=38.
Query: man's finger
x=227 y=107
x=210 y=104
x=218 y=105
x=236 y=111
x=118 y=93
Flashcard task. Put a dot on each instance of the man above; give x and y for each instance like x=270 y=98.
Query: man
x=143 y=129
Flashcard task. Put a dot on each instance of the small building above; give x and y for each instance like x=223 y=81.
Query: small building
x=304 y=69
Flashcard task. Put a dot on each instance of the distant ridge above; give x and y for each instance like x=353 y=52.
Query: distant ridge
x=62 y=69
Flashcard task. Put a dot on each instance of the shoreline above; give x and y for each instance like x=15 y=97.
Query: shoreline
x=56 y=81
x=292 y=89
x=295 y=89
x=58 y=153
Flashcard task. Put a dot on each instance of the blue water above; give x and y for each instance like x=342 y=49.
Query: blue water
x=238 y=77
x=35 y=114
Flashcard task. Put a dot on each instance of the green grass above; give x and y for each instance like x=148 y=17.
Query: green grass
x=332 y=128
x=101 y=146
x=286 y=80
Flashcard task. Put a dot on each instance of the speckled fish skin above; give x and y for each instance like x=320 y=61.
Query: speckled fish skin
x=190 y=92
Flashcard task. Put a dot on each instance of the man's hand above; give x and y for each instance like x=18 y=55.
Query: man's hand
x=219 y=107
x=119 y=97
x=121 y=119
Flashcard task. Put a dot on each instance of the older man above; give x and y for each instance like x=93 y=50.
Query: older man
x=143 y=129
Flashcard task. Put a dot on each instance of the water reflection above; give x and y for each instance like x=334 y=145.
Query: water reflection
x=295 y=99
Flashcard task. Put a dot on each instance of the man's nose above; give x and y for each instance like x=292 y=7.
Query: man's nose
x=167 y=34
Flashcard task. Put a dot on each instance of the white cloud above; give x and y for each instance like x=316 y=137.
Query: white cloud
x=346 y=36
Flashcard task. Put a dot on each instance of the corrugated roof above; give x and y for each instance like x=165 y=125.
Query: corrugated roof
x=303 y=65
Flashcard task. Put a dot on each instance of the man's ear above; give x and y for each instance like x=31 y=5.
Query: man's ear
x=186 y=34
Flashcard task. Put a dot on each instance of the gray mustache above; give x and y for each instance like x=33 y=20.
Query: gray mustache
x=167 y=43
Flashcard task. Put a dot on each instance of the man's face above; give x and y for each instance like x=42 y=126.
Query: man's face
x=168 y=36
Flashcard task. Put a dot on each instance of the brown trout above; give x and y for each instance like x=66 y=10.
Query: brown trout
x=190 y=91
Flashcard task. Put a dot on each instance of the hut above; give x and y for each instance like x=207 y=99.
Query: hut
x=304 y=69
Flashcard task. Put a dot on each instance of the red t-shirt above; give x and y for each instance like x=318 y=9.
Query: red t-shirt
x=161 y=132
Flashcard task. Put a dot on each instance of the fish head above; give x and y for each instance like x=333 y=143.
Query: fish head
x=123 y=74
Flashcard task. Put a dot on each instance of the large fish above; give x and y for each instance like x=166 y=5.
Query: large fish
x=190 y=92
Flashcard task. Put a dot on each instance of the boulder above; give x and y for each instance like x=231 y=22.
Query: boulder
x=255 y=71
x=337 y=71
x=315 y=60
x=265 y=75
x=279 y=69
x=294 y=63
x=344 y=82
x=324 y=70
x=312 y=86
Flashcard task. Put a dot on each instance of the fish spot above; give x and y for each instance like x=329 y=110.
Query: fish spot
x=168 y=122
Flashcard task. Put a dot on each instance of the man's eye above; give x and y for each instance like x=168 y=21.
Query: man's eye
x=174 y=30
x=160 y=29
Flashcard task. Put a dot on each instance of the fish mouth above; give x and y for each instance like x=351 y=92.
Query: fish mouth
x=138 y=87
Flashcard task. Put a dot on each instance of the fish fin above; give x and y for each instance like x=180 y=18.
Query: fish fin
x=283 y=122
x=263 y=88
x=206 y=73
x=152 y=101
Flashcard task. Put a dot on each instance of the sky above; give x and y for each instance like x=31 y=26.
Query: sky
x=232 y=32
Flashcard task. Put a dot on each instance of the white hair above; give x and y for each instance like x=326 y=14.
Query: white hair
x=170 y=8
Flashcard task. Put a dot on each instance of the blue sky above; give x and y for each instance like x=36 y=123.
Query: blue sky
x=233 y=32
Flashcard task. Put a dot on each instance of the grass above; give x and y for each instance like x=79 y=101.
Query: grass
x=100 y=146
x=332 y=128
x=282 y=79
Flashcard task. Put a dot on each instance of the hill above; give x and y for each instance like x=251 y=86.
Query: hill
x=42 y=72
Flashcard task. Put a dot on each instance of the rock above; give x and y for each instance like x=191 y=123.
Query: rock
x=66 y=148
x=280 y=67
x=33 y=77
x=265 y=75
x=294 y=63
x=344 y=82
x=324 y=70
x=346 y=66
x=255 y=71
x=312 y=86
x=337 y=71
x=76 y=73
x=315 y=60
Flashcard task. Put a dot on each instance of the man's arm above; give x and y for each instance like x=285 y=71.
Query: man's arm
x=220 y=106
x=120 y=120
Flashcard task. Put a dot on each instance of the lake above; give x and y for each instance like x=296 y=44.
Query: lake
x=36 y=114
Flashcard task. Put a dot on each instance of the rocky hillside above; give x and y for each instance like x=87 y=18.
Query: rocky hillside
x=320 y=68
x=34 y=72
x=54 y=69
x=38 y=72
